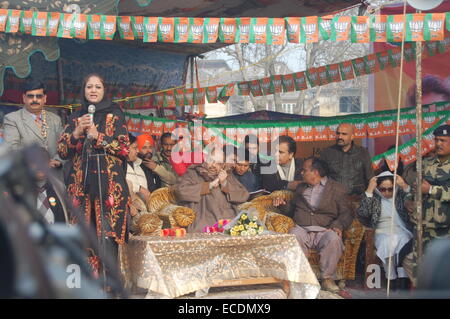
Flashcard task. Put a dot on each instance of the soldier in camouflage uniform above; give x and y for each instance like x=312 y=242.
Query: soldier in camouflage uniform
x=436 y=193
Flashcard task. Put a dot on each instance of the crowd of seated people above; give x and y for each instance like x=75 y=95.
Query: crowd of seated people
x=329 y=191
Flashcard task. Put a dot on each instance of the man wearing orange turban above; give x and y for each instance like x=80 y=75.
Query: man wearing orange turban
x=146 y=147
x=145 y=144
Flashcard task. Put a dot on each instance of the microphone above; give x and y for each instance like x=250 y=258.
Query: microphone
x=91 y=111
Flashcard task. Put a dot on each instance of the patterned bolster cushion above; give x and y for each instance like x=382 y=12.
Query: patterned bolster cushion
x=178 y=216
x=149 y=224
x=279 y=223
x=160 y=198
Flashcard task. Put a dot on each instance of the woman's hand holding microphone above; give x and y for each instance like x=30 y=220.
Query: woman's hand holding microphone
x=85 y=125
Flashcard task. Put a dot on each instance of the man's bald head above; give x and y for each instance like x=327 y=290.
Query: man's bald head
x=344 y=135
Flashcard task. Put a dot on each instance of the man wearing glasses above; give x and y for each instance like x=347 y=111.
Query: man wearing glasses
x=33 y=124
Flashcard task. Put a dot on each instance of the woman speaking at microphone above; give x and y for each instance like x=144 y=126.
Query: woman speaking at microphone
x=96 y=141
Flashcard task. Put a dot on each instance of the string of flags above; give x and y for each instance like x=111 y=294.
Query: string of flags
x=297 y=81
x=357 y=29
x=372 y=125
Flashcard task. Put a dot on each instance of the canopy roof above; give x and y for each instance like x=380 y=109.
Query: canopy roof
x=259 y=116
x=233 y=8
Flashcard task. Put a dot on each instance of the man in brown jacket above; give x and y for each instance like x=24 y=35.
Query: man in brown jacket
x=211 y=191
x=322 y=211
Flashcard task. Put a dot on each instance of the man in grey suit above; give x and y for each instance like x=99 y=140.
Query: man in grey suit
x=33 y=124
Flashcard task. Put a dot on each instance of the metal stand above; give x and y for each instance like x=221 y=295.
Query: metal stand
x=102 y=239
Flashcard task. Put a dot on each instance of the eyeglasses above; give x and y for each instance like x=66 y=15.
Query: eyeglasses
x=32 y=96
x=388 y=189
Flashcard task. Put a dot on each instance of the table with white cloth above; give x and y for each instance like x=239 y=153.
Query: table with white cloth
x=176 y=266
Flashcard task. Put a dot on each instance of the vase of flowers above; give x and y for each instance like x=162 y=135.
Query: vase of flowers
x=246 y=223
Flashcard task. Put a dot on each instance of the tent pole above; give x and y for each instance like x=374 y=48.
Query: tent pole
x=419 y=146
x=62 y=113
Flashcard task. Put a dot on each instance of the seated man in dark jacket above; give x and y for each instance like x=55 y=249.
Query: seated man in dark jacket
x=287 y=174
x=321 y=211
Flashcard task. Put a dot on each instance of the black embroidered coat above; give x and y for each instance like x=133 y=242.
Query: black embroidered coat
x=82 y=180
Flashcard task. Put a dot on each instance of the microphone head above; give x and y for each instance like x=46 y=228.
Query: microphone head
x=91 y=109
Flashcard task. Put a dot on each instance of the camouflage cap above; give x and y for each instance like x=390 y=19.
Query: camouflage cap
x=443 y=130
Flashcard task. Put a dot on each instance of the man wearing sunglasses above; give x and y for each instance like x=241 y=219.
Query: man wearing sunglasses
x=33 y=124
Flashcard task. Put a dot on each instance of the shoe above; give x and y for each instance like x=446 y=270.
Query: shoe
x=328 y=284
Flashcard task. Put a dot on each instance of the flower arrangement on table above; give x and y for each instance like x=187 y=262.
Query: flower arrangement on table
x=246 y=223
x=217 y=227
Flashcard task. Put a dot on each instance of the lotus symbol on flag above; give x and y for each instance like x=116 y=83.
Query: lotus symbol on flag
x=320 y=128
x=387 y=123
x=341 y=26
x=265 y=86
x=125 y=27
x=359 y=126
x=145 y=125
x=396 y=27
x=158 y=98
x=347 y=69
x=292 y=28
x=244 y=86
x=2 y=19
x=310 y=29
x=93 y=25
x=135 y=122
x=54 y=22
x=416 y=26
x=323 y=75
x=169 y=125
x=371 y=64
x=157 y=124
x=384 y=59
x=66 y=25
x=27 y=22
x=109 y=27
x=255 y=87
x=189 y=96
x=360 y=66
x=277 y=83
x=397 y=56
x=373 y=125
x=326 y=25
x=293 y=130
x=179 y=96
x=429 y=119
x=391 y=157
x=151 y=28
x=197 y=30
x=14 y=20
x=300 y=81
x=435 y=25
x=165 y=28
x=169 y=98
x=333 y=73
x=360 y=28
x=40 y=23
x=379 y=27
x=307 y=129
x=276 y=30
x=79 y=25
x=287 y=82
x=244 y=29
x=139 y=27
x=227 y=29
x=313 y=77
x=212 y=29
x=182 y=29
